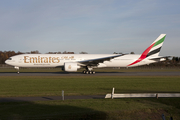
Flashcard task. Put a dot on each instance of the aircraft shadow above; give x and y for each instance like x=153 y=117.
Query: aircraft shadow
x=15 y=109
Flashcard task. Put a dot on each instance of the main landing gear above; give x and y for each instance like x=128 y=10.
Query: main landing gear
x=88 y=72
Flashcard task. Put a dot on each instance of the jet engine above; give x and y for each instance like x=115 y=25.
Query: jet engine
x=71 y=67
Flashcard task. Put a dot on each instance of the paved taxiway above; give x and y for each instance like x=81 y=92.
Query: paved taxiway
x=97 y=74
x=28 y=99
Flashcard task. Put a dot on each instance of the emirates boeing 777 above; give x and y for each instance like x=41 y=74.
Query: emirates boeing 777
x=73 y=62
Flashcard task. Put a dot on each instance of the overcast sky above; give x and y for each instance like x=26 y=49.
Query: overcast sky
x=93 y=26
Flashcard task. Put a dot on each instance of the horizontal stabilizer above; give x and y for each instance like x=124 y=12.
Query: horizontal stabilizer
x=160 y=57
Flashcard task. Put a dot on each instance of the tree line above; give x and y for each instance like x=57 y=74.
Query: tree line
x=4 y=55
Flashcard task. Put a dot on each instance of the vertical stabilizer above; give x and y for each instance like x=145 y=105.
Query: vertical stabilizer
x=156 y=46
x=153 y=50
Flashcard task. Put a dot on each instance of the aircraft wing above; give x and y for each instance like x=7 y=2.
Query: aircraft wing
x=95 y=62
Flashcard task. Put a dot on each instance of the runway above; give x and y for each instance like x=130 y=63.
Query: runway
x=97 y=74
x=49 y=98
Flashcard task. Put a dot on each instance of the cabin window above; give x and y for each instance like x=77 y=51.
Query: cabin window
x=9 y=58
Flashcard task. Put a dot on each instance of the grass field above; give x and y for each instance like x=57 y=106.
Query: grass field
x=84 y=85
x=95 y=109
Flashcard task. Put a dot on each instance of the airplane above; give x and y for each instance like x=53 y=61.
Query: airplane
x=73 y=62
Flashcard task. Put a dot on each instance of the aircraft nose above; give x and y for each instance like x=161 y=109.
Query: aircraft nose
x=6 y=61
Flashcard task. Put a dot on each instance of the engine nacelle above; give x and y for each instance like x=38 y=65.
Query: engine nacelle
x=71 y=67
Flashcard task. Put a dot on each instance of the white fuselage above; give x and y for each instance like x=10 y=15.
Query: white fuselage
x=58 y=60
x=72 y=62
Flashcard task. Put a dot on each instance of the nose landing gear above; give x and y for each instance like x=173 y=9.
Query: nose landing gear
x=17 y=69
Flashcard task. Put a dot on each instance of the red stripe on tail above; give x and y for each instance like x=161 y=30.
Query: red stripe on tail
x=143 y=56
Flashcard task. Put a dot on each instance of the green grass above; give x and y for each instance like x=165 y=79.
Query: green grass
x=95 y=109
x=85 y=85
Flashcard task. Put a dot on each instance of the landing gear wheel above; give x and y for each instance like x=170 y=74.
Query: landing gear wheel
x=88 y=72
x=17 y=68
x=84 y=72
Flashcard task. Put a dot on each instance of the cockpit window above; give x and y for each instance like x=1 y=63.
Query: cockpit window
x=9 y=58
